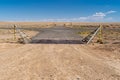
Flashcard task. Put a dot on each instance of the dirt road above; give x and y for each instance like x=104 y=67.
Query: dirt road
x=54 y=62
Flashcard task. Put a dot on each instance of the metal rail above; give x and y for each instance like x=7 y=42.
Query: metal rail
x=93 y=35
x=89 y=38
x=23 y=36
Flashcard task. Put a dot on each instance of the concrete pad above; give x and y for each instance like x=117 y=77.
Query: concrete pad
x=57 y=34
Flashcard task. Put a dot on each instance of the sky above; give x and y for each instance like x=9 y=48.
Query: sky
x=60 y=10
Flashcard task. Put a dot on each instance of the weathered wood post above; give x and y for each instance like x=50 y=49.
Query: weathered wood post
x=64 y=25
x=14 y=32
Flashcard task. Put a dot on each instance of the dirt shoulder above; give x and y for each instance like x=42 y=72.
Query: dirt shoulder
x=55 y=62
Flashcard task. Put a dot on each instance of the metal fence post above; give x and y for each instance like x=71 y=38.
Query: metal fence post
x=100 y=40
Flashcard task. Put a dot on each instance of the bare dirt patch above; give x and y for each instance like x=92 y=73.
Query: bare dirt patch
x=53 y=61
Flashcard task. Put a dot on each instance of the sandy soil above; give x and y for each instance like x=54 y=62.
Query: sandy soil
x=57 y=62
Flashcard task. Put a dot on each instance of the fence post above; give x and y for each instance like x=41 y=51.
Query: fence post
x=14 y=32
x=100 y=40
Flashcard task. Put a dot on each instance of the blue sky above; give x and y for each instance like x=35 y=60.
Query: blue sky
x=60 y=10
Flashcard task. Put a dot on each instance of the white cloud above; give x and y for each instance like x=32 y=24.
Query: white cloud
x=98 y=16
x=109 y=12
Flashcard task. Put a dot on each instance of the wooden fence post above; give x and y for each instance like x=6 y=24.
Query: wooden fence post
x=14 y=32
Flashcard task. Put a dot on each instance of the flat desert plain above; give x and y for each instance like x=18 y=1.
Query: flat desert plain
x=58 y=61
